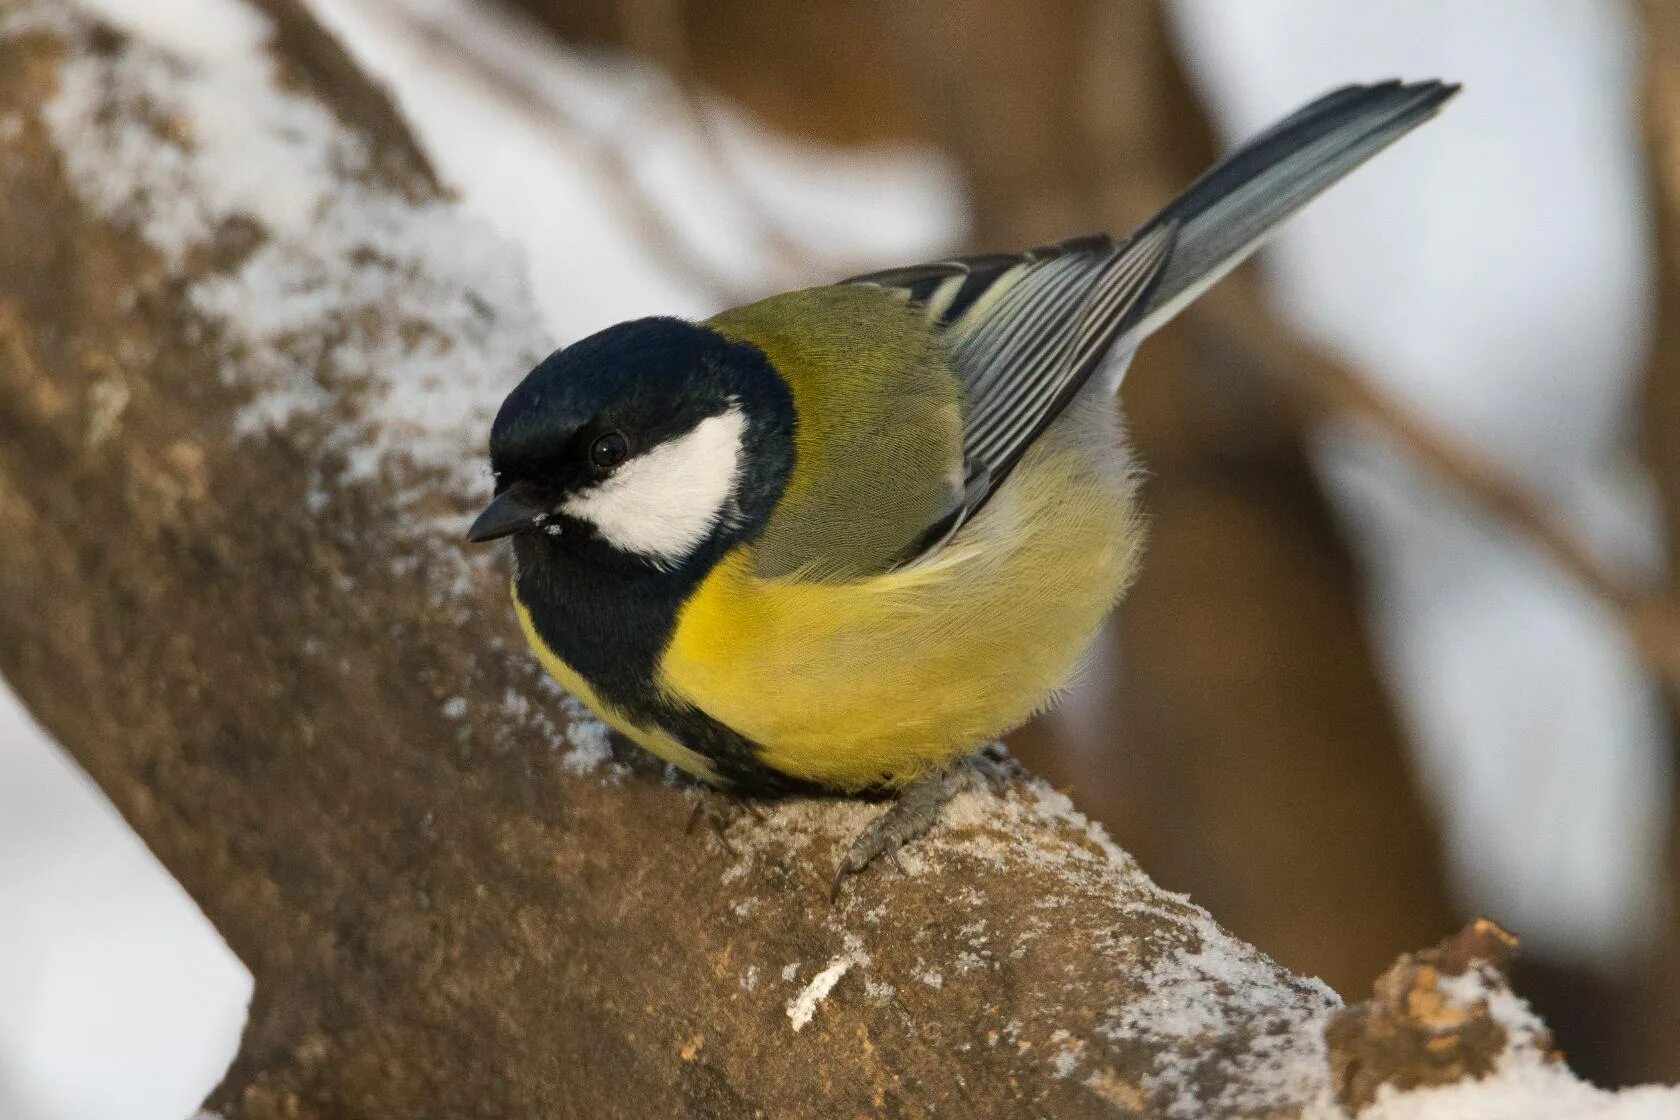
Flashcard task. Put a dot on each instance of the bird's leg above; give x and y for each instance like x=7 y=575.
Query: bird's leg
x=910 y=816
x=719 y=811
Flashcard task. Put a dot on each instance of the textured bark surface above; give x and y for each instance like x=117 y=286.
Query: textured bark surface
x=231 y=585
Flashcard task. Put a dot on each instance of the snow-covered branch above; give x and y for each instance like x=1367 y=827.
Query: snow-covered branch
x=248 y=354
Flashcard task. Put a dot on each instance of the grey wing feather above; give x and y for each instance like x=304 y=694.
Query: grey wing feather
x=1026 y=330
x=1036 y=347
x=1226 y=214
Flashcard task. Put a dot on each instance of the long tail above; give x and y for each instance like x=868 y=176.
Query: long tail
x=1227 y=213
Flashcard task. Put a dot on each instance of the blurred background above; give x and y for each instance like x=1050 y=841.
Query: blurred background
x=1405 y=648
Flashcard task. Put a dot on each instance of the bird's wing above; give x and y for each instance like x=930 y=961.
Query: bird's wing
x=1024 y=332
x=1027 y=331
x=878 y=436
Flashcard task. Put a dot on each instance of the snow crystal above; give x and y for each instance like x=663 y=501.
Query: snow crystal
x=878 y=991
x=1066 y=1059
x=804 y=1005
x=1480 y=985
x=591 y=745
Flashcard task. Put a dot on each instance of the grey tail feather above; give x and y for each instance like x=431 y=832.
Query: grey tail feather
x=1227 y=213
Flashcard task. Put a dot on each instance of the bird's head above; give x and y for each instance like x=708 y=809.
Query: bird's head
x=646 y=442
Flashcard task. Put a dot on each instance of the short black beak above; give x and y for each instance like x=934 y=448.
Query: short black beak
x=507 y=513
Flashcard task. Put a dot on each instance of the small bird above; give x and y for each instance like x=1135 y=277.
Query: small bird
x=836 y=539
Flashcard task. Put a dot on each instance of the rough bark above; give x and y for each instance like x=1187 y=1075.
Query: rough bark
x=239 y=428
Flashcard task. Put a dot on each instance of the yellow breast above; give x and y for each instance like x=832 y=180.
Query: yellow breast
x=879 y=679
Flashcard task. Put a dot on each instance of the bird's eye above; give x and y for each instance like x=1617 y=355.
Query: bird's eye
x=609 y=450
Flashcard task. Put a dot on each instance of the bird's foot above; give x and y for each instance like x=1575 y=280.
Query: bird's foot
x=718 y=811
x=910 y=816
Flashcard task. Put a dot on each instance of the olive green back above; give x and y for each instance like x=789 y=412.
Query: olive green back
x=878 y=440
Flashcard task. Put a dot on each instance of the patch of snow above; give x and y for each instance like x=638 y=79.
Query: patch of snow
x=1194 y=994
x=1480 y=985
x=1195 y=990
x=804 y=1005
x=428 y=307
x=591 y=745
x=1187 y=994
x=1525 y=1088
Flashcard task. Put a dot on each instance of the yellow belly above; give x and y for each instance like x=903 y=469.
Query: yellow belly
x=879 y=680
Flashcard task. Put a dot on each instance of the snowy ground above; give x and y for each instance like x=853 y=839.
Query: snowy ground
x=1490 y=271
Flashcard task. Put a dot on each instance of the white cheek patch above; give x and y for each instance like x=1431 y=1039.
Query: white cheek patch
x=664 y=502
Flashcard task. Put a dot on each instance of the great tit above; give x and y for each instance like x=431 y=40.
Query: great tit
x=835 y=539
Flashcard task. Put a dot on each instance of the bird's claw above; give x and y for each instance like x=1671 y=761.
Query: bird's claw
x=719 y=811
x=914 y=812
